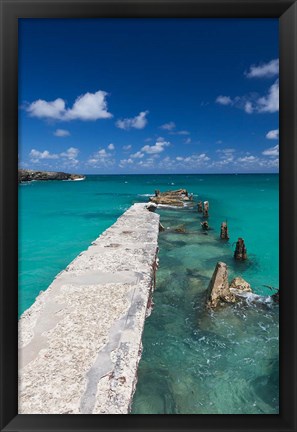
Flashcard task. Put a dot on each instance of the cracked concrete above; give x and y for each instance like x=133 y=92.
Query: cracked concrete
x=80 y=342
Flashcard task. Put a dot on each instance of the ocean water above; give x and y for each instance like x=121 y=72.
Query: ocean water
x=193 y=361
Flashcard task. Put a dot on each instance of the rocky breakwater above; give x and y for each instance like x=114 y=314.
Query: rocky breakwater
x=30 y=175
x=175 y=198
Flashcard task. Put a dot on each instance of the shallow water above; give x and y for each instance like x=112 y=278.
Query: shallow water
x=200 y=362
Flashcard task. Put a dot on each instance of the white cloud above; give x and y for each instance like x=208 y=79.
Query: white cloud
x=148 y=163
x=89 y=106
x=226 y=156
x=188 y=141
x=102 y=153
x=168 y=126
x=248 y=107
x=270 y=103
x=101 y=159
x=137 y=122
x=226 y=151
x=224 y=100
x=193 y=161
x=61 y=133
x=156 y=148
x=36 y=155
x=137 y=155
x=273 y=134
x=50 y=110
x=127 y=147
x=264 y=70
x=253 y=104
x=272 y=151
x=248 y=159
x=125 y=162
x=71 y=153
x=182 y=132
x=71 y=156
x=111 y=146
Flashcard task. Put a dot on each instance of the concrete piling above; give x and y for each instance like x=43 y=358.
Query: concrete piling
x=205 y=208
x=205 y=225
x=224 y=231
x=240 y=252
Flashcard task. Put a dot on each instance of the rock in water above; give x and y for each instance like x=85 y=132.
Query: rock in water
x=240 y=284
x=151 y=207
x=218 y=289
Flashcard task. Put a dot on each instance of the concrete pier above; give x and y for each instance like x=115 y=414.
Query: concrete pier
x=80 y=342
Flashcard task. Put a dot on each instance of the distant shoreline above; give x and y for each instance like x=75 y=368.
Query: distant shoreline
x=32 y=175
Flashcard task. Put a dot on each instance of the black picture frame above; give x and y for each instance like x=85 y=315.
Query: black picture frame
x=286 y=12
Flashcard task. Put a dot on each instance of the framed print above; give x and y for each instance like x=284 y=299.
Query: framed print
x=148 y=244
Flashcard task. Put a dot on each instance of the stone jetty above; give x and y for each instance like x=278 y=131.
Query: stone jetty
x=175 y=198
x=30 y=175
x=80 y=342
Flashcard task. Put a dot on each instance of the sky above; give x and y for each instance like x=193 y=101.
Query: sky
x=141 y=96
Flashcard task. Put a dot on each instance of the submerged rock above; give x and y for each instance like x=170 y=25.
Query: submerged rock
x=172 y=198
x=29 y=175
x=181 y=229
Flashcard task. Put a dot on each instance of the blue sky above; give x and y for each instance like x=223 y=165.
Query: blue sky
x=148 y=95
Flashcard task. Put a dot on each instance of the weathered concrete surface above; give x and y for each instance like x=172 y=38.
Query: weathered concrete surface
x=80 y=342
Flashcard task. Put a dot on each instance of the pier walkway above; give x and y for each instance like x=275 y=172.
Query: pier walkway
x=80 y=342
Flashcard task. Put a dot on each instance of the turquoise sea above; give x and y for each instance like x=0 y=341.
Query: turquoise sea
x=193 y=361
